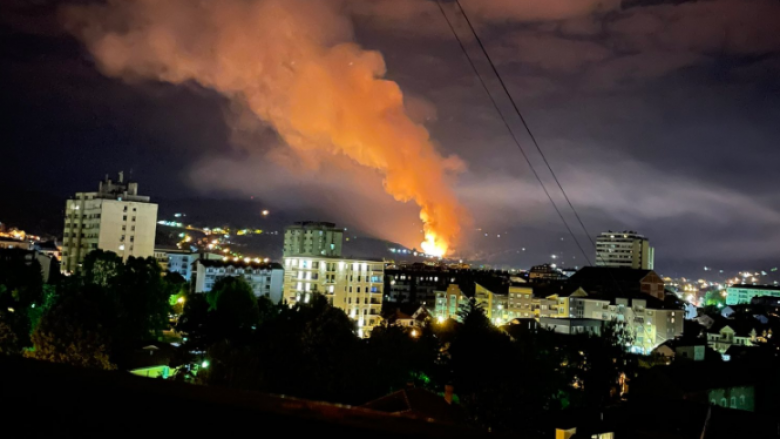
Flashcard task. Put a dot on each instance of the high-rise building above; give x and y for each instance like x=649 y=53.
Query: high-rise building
x=313 y=265
x=354 y=286
x=114 y=218
x=624 y=249
x=313 y=239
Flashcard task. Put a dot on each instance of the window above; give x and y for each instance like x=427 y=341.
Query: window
x=733 y=402
x=124 y=218
x=133 y=219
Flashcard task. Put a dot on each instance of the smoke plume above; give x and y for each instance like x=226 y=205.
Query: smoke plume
x=292 y=63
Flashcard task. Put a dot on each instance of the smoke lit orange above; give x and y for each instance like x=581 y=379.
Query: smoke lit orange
x=291 y=63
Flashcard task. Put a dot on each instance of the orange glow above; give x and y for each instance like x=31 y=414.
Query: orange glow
x=291 y=64
x=434 y=247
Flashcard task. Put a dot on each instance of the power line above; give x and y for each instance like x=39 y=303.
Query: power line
x=530 y=133
x=525 y=124
x=506 y=123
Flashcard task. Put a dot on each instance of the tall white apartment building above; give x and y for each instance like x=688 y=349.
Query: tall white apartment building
x=114 y=218
x=624 y=249
x=315 y=239
x=354 y=286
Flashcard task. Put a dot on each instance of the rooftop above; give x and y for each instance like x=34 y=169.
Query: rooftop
x=756 y=287
x=419 y=404
x=609 y=274
x=240 y=264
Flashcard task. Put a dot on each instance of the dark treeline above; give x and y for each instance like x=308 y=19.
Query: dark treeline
x=96 y=318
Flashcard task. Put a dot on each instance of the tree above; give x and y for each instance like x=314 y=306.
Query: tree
x=143 y=297
x=714 y=298
x=102 y=268
x=604 y=361
x=21 y=289
x=70 y=333
x=179 y=289
x=9 y=342
x=234 y=305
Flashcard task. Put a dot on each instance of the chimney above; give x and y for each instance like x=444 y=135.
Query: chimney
x=449 y=390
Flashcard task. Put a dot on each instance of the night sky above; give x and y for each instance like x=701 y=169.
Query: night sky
x=657 y=116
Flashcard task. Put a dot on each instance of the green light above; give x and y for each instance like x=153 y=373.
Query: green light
x=33 y=305
x=205 y=364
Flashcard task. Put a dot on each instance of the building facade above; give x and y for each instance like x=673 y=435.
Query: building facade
x=115 y=218
x=448 y=303
x=624 y=250
x=49 y=264
x=266 y=279
x=570 y=326
x=316 y=239
x=182 y=261
x=649 y=326
x=741 y=294
x=10 y=244
x=354 y=286
x=416 y=284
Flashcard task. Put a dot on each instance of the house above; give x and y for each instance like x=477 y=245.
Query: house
x=726 y=333
x=416 y=320
x=680 y=349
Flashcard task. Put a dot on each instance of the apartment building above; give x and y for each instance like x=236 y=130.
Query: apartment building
x=266 y=279
x=626 y=249
x=114 y=218
x=646 y=319
x=354 y=286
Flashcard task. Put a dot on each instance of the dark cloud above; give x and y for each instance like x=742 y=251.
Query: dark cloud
x=658 y=116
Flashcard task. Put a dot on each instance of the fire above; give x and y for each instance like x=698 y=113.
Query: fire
x=434 y=247
x=292 y=65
